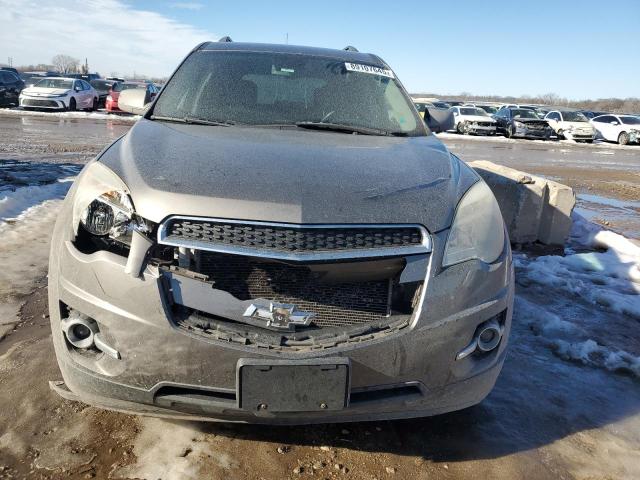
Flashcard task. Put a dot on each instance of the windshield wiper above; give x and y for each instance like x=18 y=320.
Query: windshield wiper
x=339 y=127
x=194 y=121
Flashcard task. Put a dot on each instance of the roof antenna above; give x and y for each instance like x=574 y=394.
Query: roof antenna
x=226 y=39
x=349 y=48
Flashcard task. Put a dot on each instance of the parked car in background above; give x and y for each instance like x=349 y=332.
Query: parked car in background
x=571 y=124
x=622 y=129
x=111 y=103
x=87 y=77
x=116 y=79
x=246 y=251
x=103 y=87
x=10 y=87
x=592 y=114
x=520 y=122
x=11 y=69
x=443 y=105
x=452 y=103
x=473 y=120
x=31 y=78
x=56 y=93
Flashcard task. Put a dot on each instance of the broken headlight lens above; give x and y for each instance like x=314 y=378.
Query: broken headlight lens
x=109 y=214
x=101 y=202
x=477 y=231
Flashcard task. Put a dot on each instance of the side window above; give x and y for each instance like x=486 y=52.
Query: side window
x=85 y=85
x=605 y=119
x=555 y=116
x=4 y=78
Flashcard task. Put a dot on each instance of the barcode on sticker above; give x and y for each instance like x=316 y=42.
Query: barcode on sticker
x=358 y=67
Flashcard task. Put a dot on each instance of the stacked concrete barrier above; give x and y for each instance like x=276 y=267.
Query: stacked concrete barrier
x=533 y=208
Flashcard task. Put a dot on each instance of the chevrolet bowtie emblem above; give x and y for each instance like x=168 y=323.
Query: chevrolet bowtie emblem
x=280 y=316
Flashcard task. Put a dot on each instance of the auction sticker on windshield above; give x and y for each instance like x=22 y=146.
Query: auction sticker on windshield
x=358 y=67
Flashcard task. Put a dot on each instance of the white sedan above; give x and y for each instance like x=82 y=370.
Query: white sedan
x=571 y=124
x=60 y=94
x=623 y=129
x=473 y=120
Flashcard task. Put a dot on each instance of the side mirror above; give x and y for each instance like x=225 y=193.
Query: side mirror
x=614 y=123
x=134 y=100
x=77 y=89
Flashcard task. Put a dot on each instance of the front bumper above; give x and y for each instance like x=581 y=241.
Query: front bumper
x=161 y=370
x=527 y=132
x=51 y=103
x=481 y=129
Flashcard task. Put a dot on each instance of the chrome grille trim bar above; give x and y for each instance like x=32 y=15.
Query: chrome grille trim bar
x=424 y=247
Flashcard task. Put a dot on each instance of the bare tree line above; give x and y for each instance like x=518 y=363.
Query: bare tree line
x=613 y=105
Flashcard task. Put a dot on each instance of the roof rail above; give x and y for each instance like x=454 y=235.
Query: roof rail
x=349 y=48
x=226 y=39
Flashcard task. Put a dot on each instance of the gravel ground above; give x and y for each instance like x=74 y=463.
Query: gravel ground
x=547 y=418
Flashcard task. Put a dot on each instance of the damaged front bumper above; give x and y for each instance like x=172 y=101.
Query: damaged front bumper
x=157 y=360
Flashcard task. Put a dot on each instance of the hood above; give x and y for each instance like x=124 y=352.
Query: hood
x=287 y=175
x=531 y=120
x=478 y=118
x=45 y=91
x=576 y=125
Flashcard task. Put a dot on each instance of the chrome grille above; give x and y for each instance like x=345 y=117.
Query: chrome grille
x=335 y=304
x=296 y=242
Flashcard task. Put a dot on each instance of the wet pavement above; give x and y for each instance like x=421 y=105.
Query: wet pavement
x=550 y=416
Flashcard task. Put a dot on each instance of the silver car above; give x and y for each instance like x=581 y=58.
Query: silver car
x=280 y=239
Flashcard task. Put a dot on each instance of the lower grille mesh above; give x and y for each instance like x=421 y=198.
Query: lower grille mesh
x=335 y=305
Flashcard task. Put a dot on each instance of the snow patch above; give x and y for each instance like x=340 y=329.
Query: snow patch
x=178 y=459
x=589 y=352
x=14 y=203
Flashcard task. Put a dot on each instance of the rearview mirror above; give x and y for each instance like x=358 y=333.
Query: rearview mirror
x=134 y=100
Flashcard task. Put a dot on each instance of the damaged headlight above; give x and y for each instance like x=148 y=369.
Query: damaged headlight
x=477 y=231
x=102 y=204
x=519 y=124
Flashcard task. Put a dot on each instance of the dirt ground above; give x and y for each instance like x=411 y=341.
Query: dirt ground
x=546 y=419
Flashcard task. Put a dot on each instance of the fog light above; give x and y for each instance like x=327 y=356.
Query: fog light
x=81 y=332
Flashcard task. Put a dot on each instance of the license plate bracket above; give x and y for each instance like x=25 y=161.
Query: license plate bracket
x=310 y=385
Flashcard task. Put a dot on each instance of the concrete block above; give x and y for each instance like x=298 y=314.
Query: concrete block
x=555 y=223
x=533 y=208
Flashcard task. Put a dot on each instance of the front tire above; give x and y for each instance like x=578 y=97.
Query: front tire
x=461 y=128
x=508 y=132
x=623 y=138
x=560 y=135
x=72 y=105
x=94 y=107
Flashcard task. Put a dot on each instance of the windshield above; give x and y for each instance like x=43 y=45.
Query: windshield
x=255 y=88
x=524 y=113
x=118 y=87
x=629 y=120
x=574 y=117
x=54 y=83
x=489 y=109
x=472 y=111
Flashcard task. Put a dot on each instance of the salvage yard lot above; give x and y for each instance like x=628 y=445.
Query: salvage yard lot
x=567 y=404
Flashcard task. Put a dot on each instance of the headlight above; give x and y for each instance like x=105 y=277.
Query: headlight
x=478 y=229
x=519 y=124
x=102 y=204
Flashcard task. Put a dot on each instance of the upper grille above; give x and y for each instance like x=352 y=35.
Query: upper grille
x=335 y=304
x=294 y=241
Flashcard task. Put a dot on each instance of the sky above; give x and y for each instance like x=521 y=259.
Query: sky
x=576 y=49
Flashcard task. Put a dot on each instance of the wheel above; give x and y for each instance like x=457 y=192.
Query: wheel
x=461 y=128
x=508 y=131
x=95 y=105
x=72 y=105
x=623 y=138
x=560 y=134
